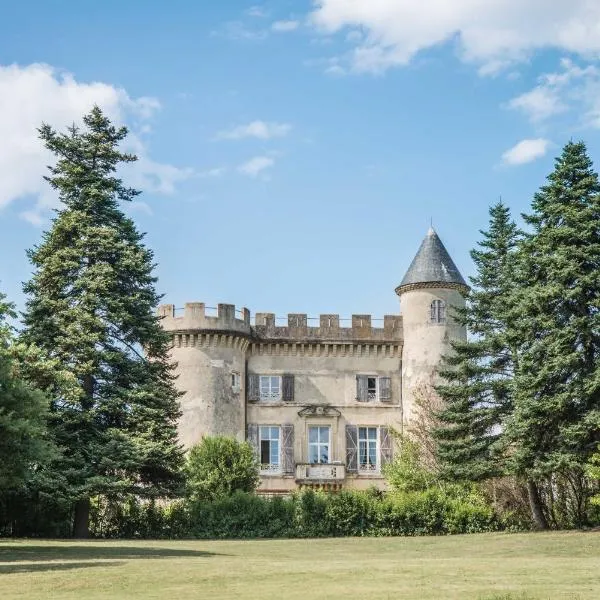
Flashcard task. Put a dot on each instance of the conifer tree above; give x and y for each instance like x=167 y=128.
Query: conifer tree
x=477 y=375
x=23 y=443
x=92 y=307
x=555 y=320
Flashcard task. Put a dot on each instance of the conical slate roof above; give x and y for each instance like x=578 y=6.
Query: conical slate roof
x=432 y=264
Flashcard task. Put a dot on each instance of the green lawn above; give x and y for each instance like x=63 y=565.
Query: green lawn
x=486 y=566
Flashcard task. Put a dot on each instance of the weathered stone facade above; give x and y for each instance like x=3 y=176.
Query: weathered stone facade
x=317 y=402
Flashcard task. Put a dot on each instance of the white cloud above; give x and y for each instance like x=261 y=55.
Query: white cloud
x=30 y=95
x=256 y=11
x=255 y=166
x=570 y=89
x=539 y=103
x=492 y=34
x=526 y=151
x=238 y=31
x=215 y=172
x=257 y=129
x=283 y=26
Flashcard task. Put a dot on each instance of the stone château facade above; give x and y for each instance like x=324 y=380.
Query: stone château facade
x=317 y=403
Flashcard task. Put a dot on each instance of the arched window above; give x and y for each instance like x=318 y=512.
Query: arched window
x=438 y=311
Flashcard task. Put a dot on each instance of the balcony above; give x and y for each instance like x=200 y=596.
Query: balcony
x=320 y=473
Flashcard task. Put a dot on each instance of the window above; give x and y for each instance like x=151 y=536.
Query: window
x=318 y=444
x=370 y=388
x=367 y=449
x=270 y=388
x=235 y=381
x=438 y=311
x=269 y=449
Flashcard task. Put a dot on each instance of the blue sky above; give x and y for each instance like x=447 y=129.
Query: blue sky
x=293 y=153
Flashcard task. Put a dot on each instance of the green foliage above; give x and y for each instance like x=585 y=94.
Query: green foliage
x=406 y=472
x=219 y=466
x=91 y=309
x=593 y=472
x=478 y=374
x=555 y=325
x=24 y=448
x=306 y=514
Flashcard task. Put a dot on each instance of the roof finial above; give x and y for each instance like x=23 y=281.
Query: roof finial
x=431 y=229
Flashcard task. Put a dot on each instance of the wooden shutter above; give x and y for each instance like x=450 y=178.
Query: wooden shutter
x=252 y=438
x=287 y=388
x=385 y=389
x=386 y=448
x=361 y=388
x=287 y=449
x=351 y=449
x=253 y=388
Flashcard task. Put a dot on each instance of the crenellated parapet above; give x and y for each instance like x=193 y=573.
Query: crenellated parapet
x=194 y=318
x=328 y=328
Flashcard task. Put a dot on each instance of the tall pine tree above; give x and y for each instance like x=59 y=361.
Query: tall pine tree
x=478 y=374
x=555 y=320
x=92 y=307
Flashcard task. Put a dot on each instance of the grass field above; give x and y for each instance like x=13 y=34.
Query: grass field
x=485 y=566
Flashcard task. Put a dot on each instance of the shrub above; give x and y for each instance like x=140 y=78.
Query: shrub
x=309 y=513
x=348 y=513
x=220 y=466
x=436 y=511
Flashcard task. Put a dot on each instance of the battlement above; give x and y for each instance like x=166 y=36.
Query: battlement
x=327 y=327
x=194 y=317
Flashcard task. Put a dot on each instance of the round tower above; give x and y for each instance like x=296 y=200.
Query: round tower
x=431 y=288
x=210 y=353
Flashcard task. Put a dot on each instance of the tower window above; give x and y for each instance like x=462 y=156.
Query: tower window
x=235 y=381
x=438 y=311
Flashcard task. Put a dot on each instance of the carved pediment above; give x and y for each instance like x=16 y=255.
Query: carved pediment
x=319 y=410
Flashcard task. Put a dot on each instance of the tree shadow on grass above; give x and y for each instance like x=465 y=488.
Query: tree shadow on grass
x=69 y=551
x=37 y=567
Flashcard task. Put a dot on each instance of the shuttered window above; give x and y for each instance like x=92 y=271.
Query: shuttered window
x=287 y=387
x=253 y=388
x=351 y=449
x=370 y=388
x=287 y=437
x=270 y=448
x=252 y=437
x=368 y=448
x=385 y=389
x=386 y=447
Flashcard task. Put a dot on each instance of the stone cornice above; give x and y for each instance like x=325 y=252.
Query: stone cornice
x=401 y=289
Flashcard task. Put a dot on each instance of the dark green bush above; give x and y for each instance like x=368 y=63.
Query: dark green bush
x=435 y=511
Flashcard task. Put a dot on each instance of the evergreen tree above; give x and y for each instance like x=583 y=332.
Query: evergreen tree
x=555 y=320
x=477 y=375
x=23 y=444
x=92 y=307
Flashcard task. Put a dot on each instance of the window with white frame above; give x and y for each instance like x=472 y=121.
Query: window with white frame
x=270 y=448
x=368 y=452
x=438 y=311
x=270 y=388
x=318 y=444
